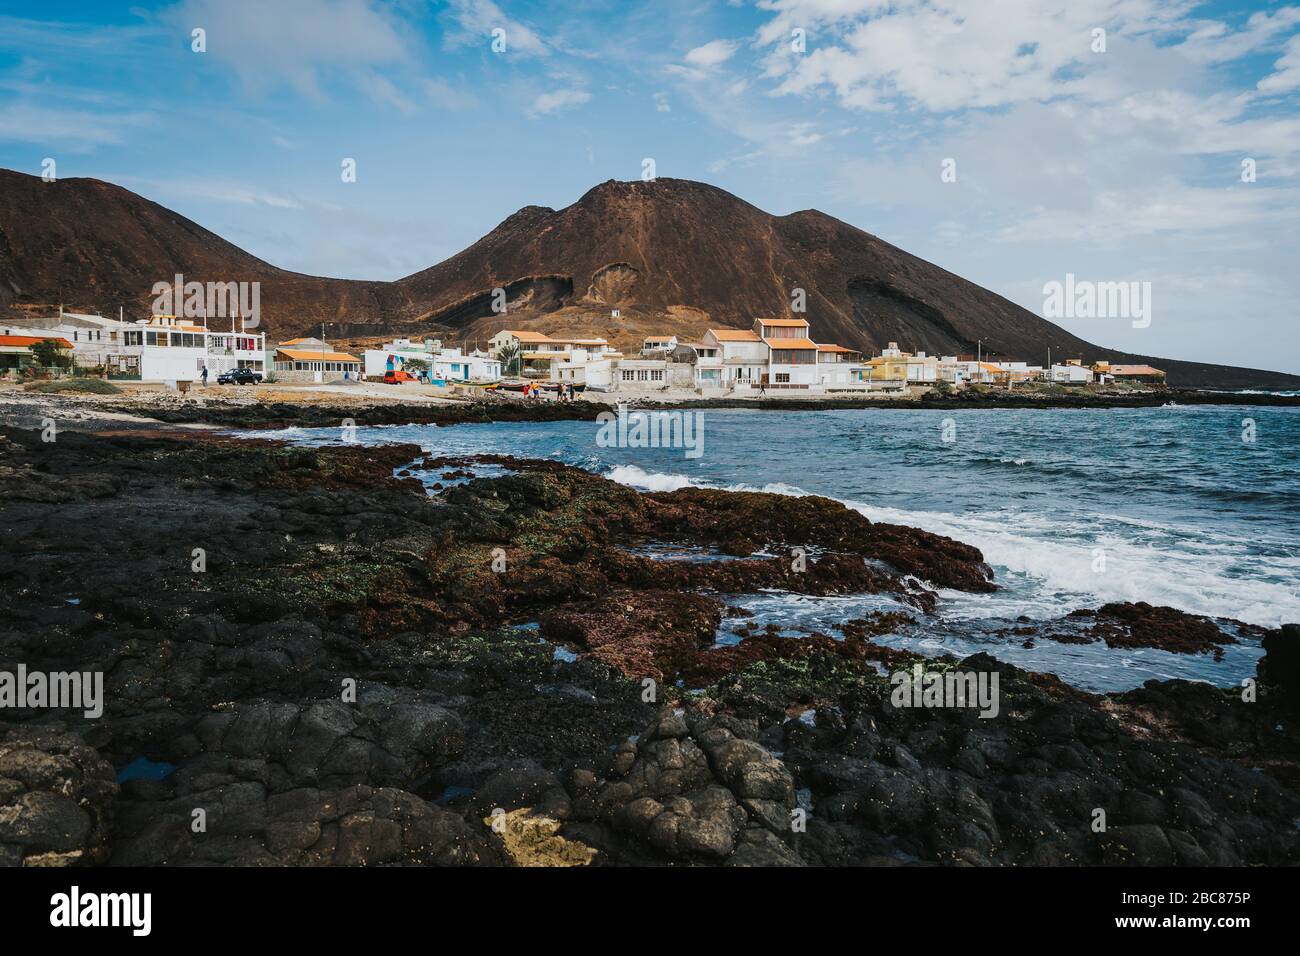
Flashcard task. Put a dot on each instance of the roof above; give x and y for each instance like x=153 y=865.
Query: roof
x=796 y=345
x=995 y=369
x=26 y=341
x=785 y=323
x=313 y=355
x=735 y=335
x=299 y=341
x=836 y=348
x=53 y=321
x=1134 y=370
x=658 y=338
x=528 y=336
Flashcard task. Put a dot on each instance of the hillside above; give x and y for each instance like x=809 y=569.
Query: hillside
x=669 y=255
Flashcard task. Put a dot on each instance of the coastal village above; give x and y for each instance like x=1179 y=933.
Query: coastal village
x=774 y=356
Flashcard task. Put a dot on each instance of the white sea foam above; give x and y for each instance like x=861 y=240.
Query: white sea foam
x=647 y=480
x=1046 y=564
x=1056 y=559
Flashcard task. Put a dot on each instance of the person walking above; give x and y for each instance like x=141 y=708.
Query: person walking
x=205 y=376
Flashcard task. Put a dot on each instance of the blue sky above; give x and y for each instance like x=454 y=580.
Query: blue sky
x=1115 y=165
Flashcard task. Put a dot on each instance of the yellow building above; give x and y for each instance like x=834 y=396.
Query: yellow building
x=889 y=366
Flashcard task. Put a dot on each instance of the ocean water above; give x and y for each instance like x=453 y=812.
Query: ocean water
x=1072 y=508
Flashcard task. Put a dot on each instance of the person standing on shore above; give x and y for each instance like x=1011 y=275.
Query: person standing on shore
x=205 y=376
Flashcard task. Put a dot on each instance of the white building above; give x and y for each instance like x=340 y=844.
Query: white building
x=581 y=369
x=1071 y=373
x=88 y=334
x=163 y=348
x=169 y=348
x=838 y=366
x=453 y=365
x=633 y=374
x=922 y=369
x=658 y=343
x=441 y=364
x=792 y=361
x=538 y=352
x=708 y=365
x=743 y=356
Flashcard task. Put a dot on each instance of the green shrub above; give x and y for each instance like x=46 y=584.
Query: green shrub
x=88 y=385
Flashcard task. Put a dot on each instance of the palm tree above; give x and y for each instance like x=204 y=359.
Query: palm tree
x=508 y=355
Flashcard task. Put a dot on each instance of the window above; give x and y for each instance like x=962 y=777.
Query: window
x=782 y=378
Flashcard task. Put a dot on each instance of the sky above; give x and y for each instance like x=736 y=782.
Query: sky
x=1008 y=141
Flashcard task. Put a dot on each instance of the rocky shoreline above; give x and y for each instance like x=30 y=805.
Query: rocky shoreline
x=495 y=674
x=27 y=410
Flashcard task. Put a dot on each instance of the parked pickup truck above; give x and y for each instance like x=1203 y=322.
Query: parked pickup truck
x=239 y=376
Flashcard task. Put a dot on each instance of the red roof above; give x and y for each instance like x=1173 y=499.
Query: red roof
x=27 y=341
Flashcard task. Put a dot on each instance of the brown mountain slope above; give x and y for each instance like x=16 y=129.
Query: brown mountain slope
x=670 y=255
x=653 y=247
x=92 y=245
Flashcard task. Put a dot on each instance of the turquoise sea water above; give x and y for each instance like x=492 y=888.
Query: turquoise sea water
x=1072 y=508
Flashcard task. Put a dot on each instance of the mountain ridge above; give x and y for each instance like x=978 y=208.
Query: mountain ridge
x=670 y=255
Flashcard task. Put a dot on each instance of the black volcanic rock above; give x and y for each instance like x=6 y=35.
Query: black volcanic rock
x=671 y=254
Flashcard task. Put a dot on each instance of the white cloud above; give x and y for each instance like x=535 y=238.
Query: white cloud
x=1286 y=75
x=711 y=54
x=294 y=42
x=443 y=94
x=1102 y=164
x=476 y=19
x=557 y=100
x=958 y=54
x=74 y=131
x=382 y=90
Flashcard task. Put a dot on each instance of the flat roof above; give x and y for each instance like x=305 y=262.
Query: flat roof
x=308 y=355
x=735 y=335
x=1135 y=370
x=25 y=341
x=524 y=336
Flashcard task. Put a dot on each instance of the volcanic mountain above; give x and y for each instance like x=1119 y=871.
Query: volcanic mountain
x=668 y=256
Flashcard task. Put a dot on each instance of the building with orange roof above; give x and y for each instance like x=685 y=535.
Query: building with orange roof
x=163 y=348
x=838 y=365
x=792 y=355
x=743 y=356
x=16 y=351
x=314 y=360
x=1136 y=373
